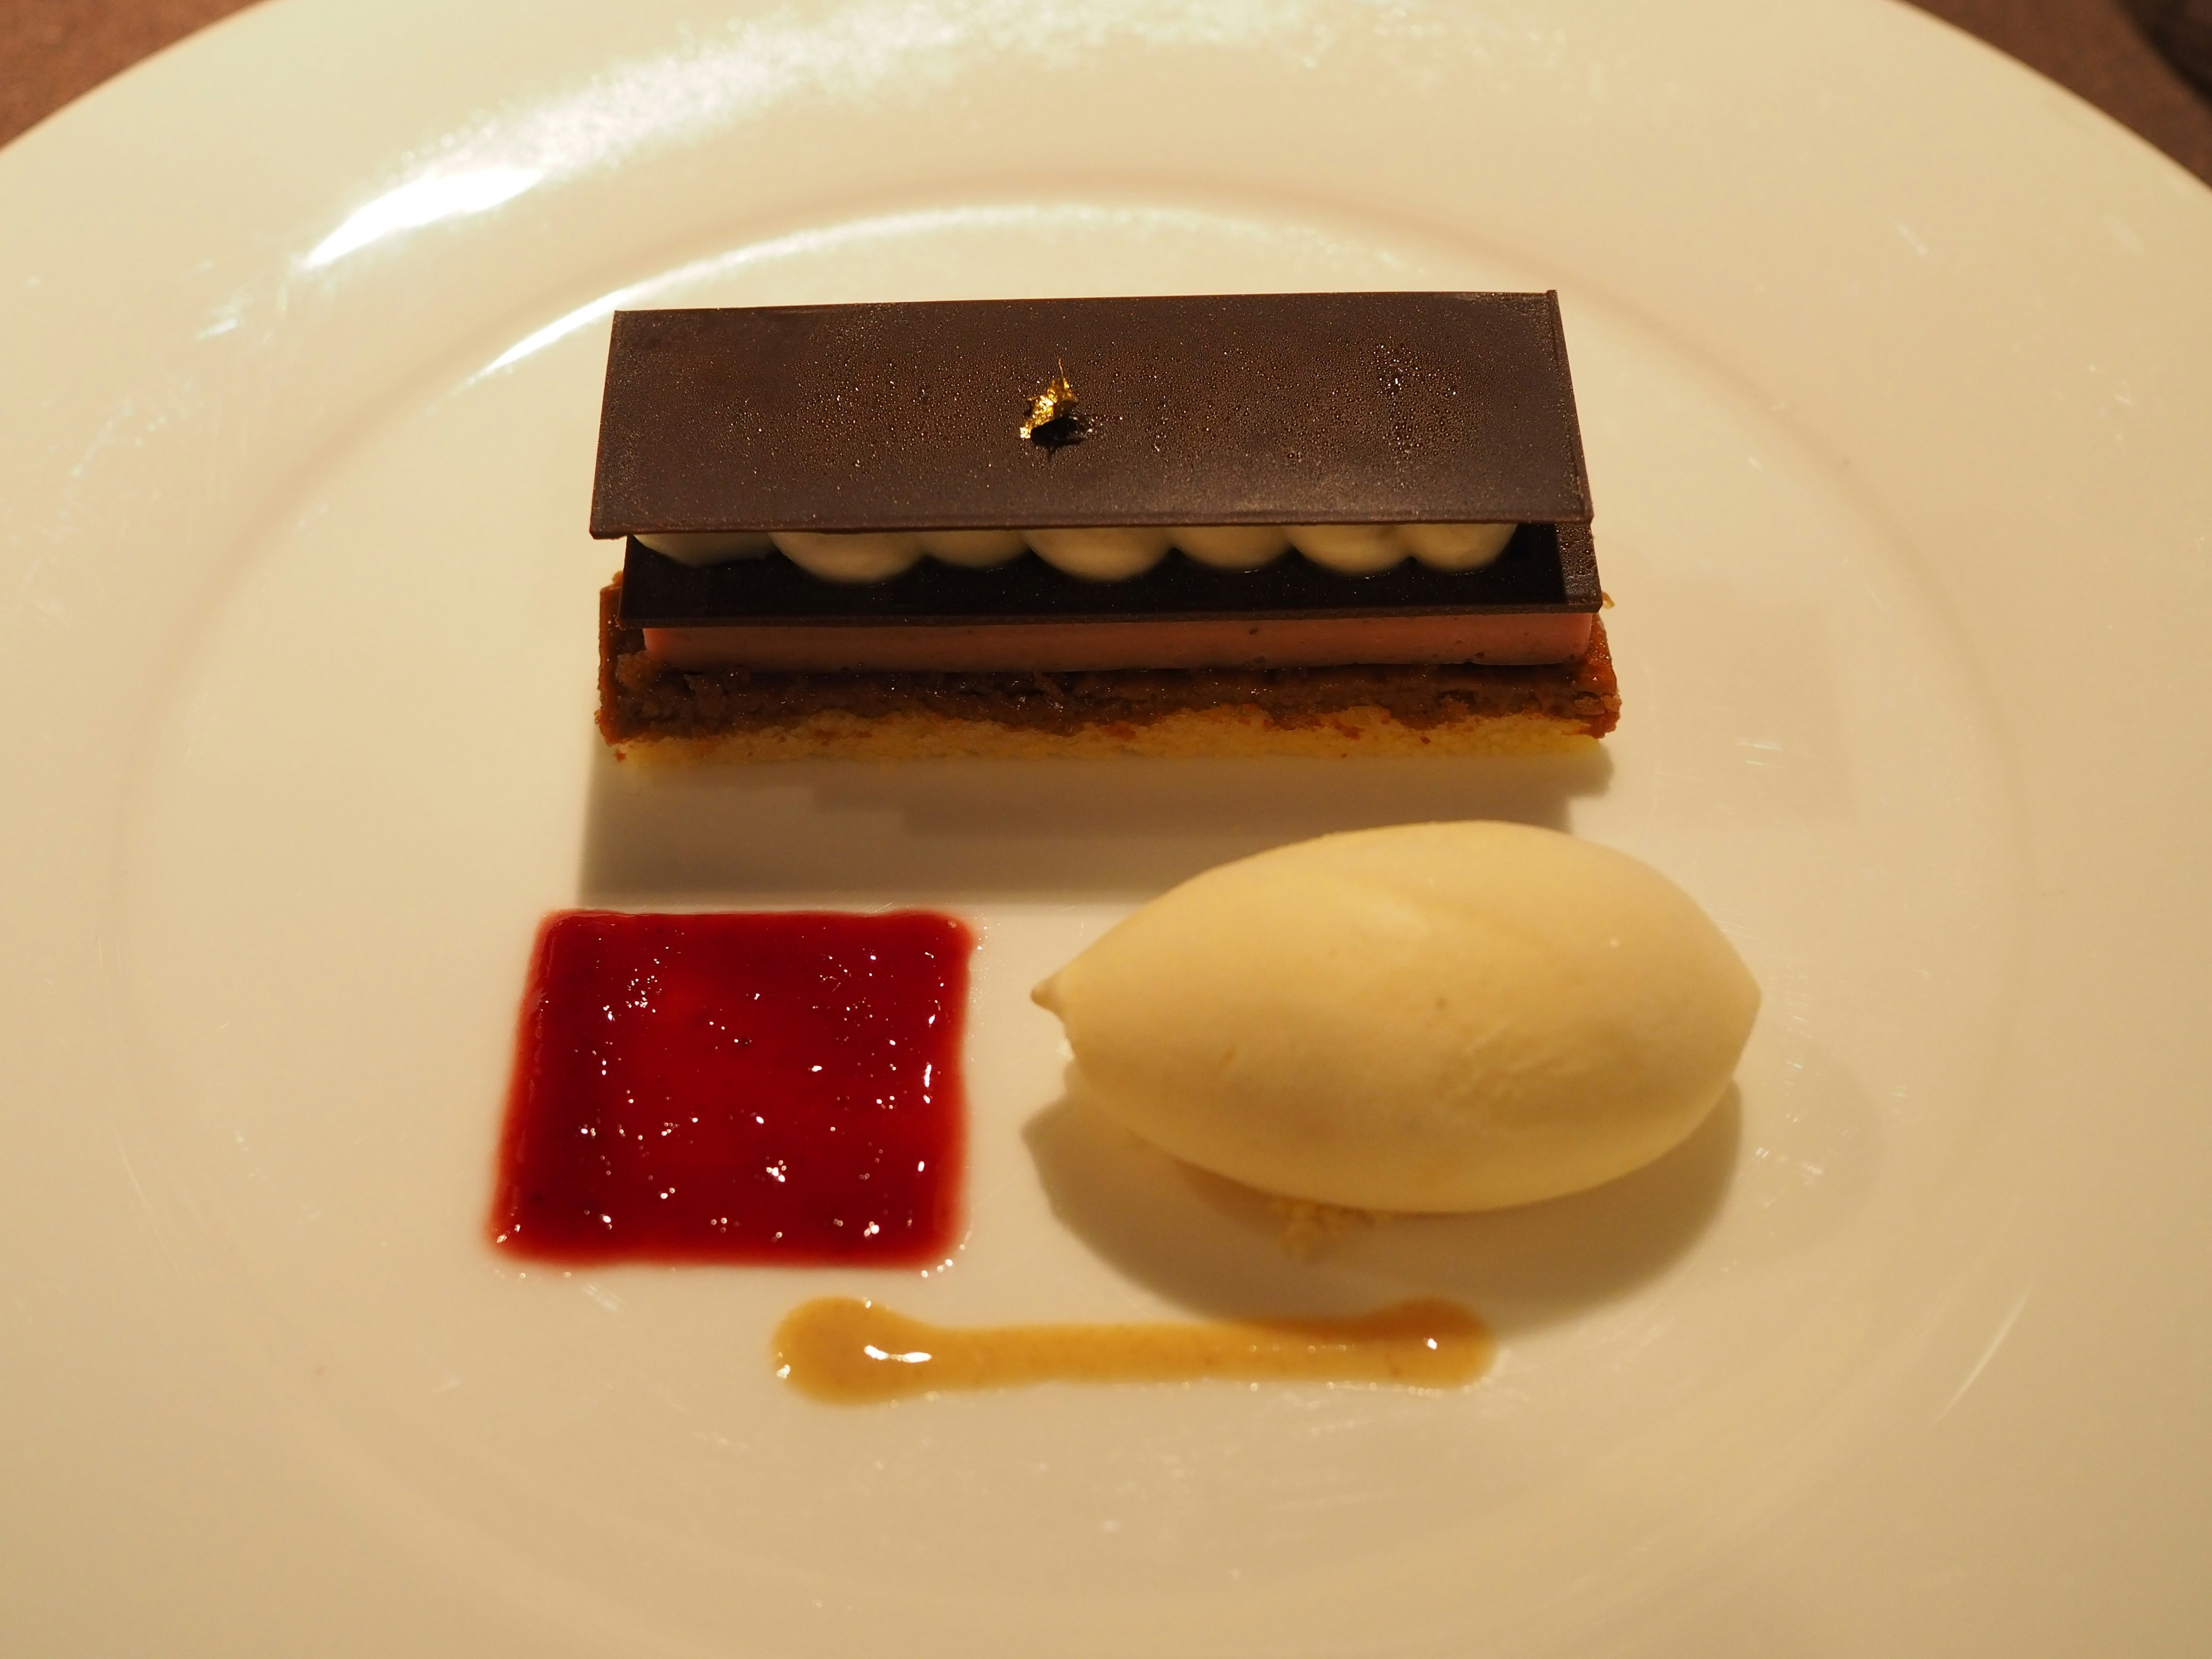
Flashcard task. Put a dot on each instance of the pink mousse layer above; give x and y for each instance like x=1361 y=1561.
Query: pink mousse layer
x=1232 y=642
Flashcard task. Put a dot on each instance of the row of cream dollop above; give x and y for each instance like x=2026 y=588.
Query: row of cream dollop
x=1105 y=555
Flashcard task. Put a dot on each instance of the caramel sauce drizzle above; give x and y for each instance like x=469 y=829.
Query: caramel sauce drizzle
x=855 y=1353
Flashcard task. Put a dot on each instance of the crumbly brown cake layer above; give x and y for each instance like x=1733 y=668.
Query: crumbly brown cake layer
x=1456 y=709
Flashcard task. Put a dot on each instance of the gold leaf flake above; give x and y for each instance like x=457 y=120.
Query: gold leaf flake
x=1055 y=403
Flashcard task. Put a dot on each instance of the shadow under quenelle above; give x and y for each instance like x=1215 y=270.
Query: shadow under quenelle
x=1221 y=1249
x=926 y=831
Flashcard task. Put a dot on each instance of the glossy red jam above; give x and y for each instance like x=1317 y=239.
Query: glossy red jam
x=776 y=1088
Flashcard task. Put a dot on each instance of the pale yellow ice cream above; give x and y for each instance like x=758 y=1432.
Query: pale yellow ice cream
x=1435 y=1016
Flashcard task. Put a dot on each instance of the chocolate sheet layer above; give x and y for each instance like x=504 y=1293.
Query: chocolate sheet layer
x=1240 y=408
x=1545 y=567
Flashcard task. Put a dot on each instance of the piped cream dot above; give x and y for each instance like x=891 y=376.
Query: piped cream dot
x=1455 y=546
x=1349 y=550
x=975 y=549
x=710 y=546
x=1232 y=546
x=850 y=556
x=1100 y=554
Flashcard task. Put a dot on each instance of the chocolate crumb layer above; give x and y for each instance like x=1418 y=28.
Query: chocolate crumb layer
x=1372 y=709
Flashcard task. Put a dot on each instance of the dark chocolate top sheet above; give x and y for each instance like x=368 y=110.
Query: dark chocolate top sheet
x=1234 y=408
x=1544 y=568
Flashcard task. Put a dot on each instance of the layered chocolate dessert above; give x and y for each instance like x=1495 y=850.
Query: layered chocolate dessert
x=1291 y=523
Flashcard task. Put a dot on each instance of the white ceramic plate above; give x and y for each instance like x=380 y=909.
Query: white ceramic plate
x=1897 y=378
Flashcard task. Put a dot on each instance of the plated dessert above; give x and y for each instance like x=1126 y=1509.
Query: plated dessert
x=1426 y=1018
x=1191 y=525
x=1326 y=524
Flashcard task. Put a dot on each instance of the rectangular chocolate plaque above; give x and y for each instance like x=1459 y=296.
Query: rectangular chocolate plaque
x=1193 y=409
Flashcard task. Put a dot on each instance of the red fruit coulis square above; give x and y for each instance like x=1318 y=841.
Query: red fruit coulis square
x=782 y=1087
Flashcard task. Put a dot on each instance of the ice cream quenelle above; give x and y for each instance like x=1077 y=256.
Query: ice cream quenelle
x=1428 y=1017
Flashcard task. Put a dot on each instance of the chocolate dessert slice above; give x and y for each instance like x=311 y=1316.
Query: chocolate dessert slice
x=1300 y=523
